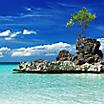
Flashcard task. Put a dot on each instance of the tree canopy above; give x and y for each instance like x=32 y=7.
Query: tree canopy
x=82 y=18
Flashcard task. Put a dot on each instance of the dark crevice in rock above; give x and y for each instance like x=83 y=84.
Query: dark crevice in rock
x=87 y=51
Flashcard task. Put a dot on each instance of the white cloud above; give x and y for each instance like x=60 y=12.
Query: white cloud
x=1 y=54
x=55 y=46
x=21 y=54
x=27 y=32
x=101 y=40
x=15 y=34
x=46 y=50
x=4 y=51
x=12 y=35
x=9 y=35
x=35 y=15
x=28 y=9
x=8 y=38
x=5 y=33
x=66 y=5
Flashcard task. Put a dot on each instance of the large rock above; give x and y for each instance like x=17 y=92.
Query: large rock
x=64 y=55
x=59 y=67
x=87 y=51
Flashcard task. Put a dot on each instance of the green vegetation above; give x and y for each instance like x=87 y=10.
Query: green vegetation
x=82 y=18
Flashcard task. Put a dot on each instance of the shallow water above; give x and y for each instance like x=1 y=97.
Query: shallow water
x=50 y=88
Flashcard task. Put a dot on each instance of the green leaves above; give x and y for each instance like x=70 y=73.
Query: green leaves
x=70 y=22
x=82 y=18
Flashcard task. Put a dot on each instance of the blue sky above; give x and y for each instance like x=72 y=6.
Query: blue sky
x=32 y=29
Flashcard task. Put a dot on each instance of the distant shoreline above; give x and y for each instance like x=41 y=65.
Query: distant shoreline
x=9 y=63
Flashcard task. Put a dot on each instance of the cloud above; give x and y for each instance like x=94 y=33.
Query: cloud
x=8 y=38
x=15 y=34
x=101 y=40
x=36 y=52
x=27 y=32
x=5 y=33
x=4 y=51
x=9 y=35
x=46 y=50
x=36 y=15
x=1 y=54
x=21 y=54
x=12 y=35
x=29 y=9
x=43 y=51
x=66 y=5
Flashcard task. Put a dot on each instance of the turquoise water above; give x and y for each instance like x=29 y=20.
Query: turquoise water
x=50 y=88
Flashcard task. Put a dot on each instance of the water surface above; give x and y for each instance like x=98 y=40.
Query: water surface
x=50 y=88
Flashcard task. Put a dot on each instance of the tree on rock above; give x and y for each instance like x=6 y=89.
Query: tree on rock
x=82 y=18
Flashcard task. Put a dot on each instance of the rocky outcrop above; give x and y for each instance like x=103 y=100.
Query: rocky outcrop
x=87 y=51
x=59 y=67
x=64 y=55
x=87 y=60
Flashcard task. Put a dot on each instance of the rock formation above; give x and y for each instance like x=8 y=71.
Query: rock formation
x=88 y=59
x=87 y=51
x=59 y=67
x=64 y=55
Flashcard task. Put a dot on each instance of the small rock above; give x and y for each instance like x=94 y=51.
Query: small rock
x=64 y=55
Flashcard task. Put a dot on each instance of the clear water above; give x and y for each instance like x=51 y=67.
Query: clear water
x=50 y=88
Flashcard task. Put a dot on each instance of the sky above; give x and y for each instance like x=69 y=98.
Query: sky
x=34 y=29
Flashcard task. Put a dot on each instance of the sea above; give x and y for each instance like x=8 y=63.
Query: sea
x=19 y=88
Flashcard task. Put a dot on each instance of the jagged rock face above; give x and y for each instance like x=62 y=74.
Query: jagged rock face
x=87 y=51
x=63 y=55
